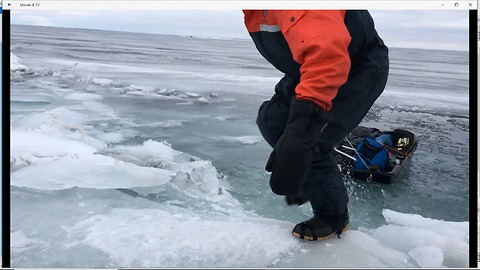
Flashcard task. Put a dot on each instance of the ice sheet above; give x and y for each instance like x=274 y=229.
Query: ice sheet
x=151 y=158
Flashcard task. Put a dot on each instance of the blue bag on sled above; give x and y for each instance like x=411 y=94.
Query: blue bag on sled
x=372 y=154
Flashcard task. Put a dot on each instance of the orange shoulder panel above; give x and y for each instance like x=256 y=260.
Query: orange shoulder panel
x=319 y=42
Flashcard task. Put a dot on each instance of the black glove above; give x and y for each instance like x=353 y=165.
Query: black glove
x=291 y=157
x=296 y=199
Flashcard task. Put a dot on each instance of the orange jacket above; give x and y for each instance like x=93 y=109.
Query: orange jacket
x=318 y=41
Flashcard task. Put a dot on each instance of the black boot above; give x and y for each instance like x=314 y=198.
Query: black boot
x=317 y=229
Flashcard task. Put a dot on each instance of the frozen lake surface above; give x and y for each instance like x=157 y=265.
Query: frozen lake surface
x=138 y=150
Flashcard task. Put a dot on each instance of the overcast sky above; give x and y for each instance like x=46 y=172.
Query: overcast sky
x=435 y=29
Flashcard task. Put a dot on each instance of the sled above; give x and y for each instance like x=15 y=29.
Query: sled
x=373 y=155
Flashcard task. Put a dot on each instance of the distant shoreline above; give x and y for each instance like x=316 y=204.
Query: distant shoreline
x=203 y=37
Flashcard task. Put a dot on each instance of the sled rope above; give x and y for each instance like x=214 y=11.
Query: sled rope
x=395 y=150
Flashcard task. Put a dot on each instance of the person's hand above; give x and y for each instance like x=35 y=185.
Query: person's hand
x=292 y=156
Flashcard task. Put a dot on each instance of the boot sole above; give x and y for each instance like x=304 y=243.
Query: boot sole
x=309 y=238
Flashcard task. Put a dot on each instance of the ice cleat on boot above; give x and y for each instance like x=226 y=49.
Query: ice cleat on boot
x=317 y=229
x=296 y=199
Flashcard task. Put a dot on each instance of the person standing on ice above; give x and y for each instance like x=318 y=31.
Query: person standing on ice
x=335 y=66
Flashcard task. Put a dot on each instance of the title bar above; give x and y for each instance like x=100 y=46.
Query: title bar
x=222 y=5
